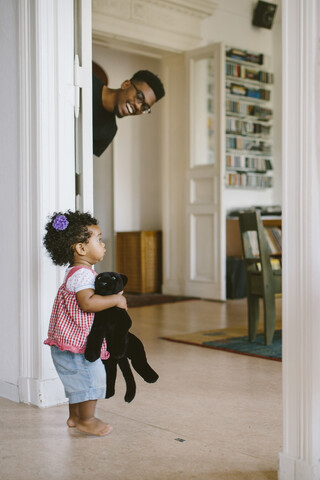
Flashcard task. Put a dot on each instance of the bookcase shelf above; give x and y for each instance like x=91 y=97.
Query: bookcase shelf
x=247 y=99
x=248 y=81
x=248 y=129
x=248 y=118
x=250 y=136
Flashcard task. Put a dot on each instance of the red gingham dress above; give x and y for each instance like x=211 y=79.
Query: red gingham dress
x=69 y=325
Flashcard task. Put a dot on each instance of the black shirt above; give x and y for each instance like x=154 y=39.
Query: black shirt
x=104 y=123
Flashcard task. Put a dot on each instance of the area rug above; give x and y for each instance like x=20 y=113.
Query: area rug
x=233 y=340
x=142 y=300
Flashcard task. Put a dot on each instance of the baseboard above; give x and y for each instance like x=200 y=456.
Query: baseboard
x=291 y=468
x=208 y=291
x=173 y=288
x=9 y=391
x=41 y=393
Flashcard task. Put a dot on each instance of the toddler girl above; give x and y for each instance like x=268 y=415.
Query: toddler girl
x=74 y=239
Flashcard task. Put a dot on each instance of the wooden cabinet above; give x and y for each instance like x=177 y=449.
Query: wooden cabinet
x=234 y=248
x=139 y=256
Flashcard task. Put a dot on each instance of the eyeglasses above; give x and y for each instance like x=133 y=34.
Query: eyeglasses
x=145 y=108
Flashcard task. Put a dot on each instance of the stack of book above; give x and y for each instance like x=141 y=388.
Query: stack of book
x=242 y=127
x=246 y=109
x=241 y=71
x=249 y=144
x=245 y=56
x=259 y=164
x=248 y=179
x=241 y=90
x=273 y=237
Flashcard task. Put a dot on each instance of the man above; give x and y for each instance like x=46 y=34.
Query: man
x=135 y=97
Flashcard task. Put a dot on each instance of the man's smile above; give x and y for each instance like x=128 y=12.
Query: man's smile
x=130 y=108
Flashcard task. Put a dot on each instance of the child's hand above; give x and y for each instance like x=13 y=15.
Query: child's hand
x=122 y=303
x=90 y=302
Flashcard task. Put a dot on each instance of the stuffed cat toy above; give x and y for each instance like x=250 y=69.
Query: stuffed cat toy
x=114 y=324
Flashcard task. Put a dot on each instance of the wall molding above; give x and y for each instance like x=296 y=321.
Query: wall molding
x=46 y=180
x=199 y=9
x=165 y=25
x=26 y=139
x=9 y=391
x=299 y=459
x=41 y=393
x=295 y=469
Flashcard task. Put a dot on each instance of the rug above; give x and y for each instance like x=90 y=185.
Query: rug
x=233 y=340
x=145 y=299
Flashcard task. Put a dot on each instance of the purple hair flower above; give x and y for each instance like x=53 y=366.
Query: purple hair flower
x=60 y=222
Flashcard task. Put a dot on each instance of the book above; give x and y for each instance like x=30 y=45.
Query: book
x=255 y=58
x=238 y=89
x=272 y=244
x=246 y=56
x=236 y=53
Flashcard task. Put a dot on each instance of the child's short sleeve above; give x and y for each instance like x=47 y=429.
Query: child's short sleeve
x=81 y=280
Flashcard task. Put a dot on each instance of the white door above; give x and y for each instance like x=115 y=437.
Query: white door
x=194 y=245
x=83 y=104
x=205 y=225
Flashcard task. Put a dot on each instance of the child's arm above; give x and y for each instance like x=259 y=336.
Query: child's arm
x=90 y=302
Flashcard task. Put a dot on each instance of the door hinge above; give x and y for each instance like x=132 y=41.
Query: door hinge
x=78 y=184
x=77 y=74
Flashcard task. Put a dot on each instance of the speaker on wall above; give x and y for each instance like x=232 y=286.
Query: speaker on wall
x=264 y=14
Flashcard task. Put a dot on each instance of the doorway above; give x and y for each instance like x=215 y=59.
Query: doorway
x=127 y=176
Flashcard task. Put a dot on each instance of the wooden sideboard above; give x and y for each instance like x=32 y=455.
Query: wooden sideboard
x=234 y=248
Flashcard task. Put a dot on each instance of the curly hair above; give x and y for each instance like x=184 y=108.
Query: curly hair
x=59 y=241
x=152 y=80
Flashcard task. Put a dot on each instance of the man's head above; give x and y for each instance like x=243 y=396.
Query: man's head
x=138 y=94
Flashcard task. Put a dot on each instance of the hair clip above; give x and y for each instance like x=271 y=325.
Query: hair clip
x=60 y=222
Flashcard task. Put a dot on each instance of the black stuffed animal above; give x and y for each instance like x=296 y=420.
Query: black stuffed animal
x=113 y=324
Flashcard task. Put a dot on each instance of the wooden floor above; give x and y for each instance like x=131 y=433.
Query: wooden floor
x=211 y=415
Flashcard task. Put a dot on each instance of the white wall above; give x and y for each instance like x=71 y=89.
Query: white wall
x=137 y=149
x=137 y=145
x=9 y=197
x=232 y=24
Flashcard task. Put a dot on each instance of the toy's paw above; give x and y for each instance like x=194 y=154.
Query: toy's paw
x=147 y=373
x=151 y=377
x=129 y=396
x=91 y=355
x=109 y=393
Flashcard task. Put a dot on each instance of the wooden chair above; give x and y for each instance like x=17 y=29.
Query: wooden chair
x=262 y=281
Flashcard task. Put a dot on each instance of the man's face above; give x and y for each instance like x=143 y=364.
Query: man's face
x=134 y=98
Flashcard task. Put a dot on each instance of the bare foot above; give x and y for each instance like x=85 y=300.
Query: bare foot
x=94 y=426
x=72 y=422
x=74 y=414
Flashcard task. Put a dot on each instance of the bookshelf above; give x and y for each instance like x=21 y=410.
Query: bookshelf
x=273 y=230
x=235 y=263
x=248 y=117
x=229 y=156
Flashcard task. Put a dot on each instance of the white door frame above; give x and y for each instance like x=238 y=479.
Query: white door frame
x=47 y=181
x=299 y=459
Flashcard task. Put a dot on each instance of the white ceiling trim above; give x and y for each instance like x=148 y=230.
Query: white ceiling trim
x=164 y=25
